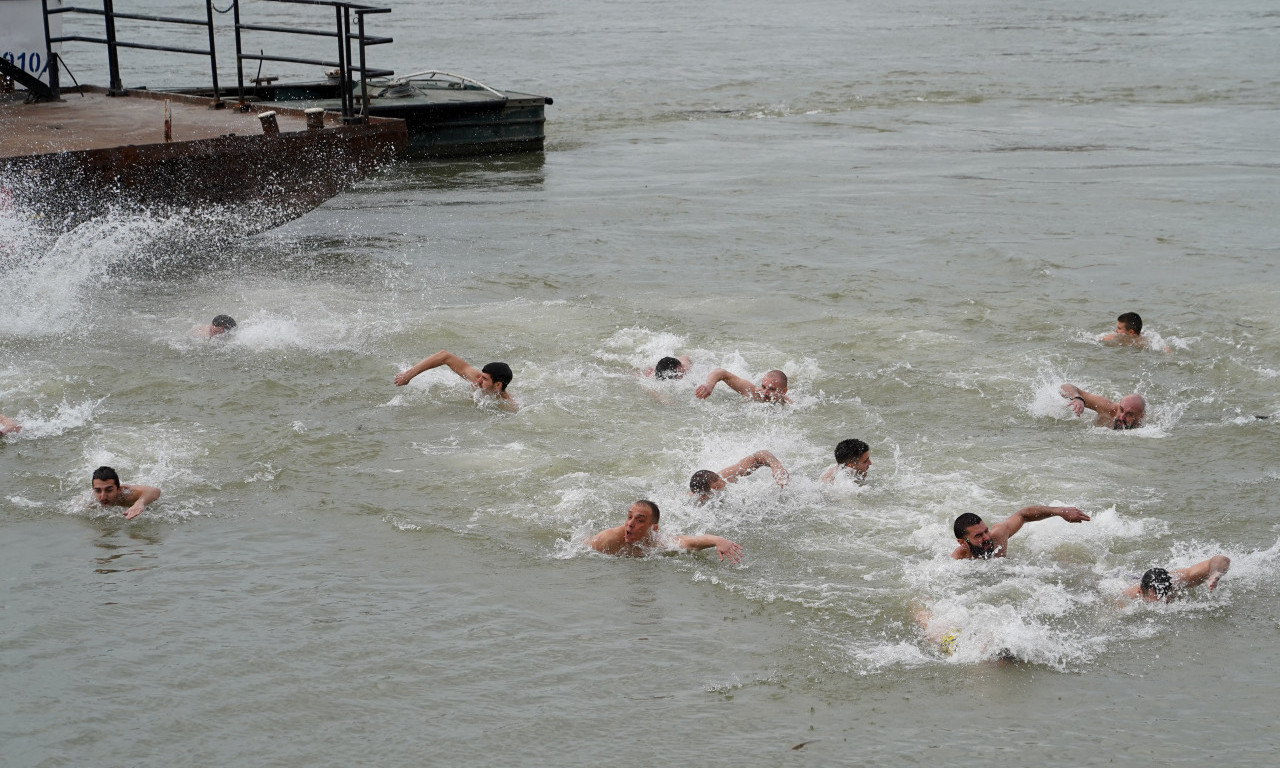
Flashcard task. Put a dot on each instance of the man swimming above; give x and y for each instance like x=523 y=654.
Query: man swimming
x=8 y=426
x=108 y=492
x=1126 y=414
x=671 y=368
x=705 y=484
x=221 y=324
x=1158 y=585
x=772 y=389
x=1128 y=332
x=978 y=542
x=853 y=457
x=492 y=380
x=639 y=535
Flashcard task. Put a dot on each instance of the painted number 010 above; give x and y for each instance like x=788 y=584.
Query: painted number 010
x=31 y=62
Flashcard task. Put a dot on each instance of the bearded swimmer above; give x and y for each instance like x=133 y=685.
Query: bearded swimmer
x=978 y=542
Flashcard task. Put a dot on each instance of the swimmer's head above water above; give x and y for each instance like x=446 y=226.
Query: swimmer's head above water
x=973 y=533
x=1129 y=412
x=704 y=485
x=669 y=368
x=1156 y=584
x=1160 y=585
x=854 y=455
x=499 y=374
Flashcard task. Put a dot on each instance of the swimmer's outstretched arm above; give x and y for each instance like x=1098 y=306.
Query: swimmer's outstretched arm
x=8 y=426
x=1207 y=572
x=752 y=463
x=725 y=548
x=736 y=383
x=1031 y=514
x=145 y=494
x=1079 y=400
x=443 y=357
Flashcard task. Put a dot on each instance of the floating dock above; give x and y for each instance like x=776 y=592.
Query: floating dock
x=76 y=156
x=447 y=115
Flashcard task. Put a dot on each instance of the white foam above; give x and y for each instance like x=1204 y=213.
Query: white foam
x=64 y=418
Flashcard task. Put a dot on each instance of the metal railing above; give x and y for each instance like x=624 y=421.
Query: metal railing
x=342 y=33
x=113 y=43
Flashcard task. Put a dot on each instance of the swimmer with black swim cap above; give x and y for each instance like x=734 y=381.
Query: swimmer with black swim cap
x=1158 y=585
x=671 y=368
x=705 y=484
x=221 y=324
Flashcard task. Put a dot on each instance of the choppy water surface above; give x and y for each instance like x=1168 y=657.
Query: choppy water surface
x=925 y=213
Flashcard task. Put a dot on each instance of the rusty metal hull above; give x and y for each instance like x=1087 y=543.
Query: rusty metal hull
x=273 y=178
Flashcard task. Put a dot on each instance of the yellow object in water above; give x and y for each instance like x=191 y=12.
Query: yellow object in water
x=948 y=642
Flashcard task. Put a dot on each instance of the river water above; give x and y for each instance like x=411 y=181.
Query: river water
x=925 y=212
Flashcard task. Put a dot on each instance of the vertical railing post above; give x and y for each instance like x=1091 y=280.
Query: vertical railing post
x=364 y=80
x=52 y=61
x=115 y=88
x=235 y=18
x=344 y=81
x=213 y=54
x=346 y=49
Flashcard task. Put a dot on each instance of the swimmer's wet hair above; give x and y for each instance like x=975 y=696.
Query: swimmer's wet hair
x=701 y=481
x=1158 y=583
x=106 y=473
x=780 y=376
x=964 y=523
x=850 y=450
x=667 y=368
x=1131 y=321
x=499 y=372
x=653 y=508
x=225 y=322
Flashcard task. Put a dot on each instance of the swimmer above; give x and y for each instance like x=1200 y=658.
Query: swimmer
x=221 y=324
x=8 y=426
x=492 y=380
x=948 y=636
x=772 y=389
x=945 y=637
x=108 y=492
x=977 y=542
x=853 y=457
x=639 y=535
x=1158 y=585
x=1128 y=332
x=1126 y=414
x=705 y=484
x=670 y=368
